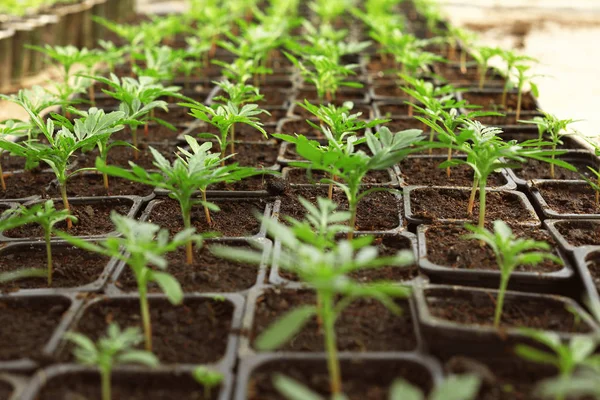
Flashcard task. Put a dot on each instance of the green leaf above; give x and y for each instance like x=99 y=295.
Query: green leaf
x=292 y=389
x=169 y=285
x=141 y=357
x=282 y=330
x=457 y=387
x=23 y=274
x=403 y=390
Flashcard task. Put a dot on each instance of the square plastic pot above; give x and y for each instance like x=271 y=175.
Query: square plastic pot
x=16 y=383
x=573 y=225
x=561 y=281
x=549 y=212
x=445 y=338
x=392 y=181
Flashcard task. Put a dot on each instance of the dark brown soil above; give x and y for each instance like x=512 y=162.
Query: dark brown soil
x=580 y=233
x=343 y=94
x=236 y=218
x=394 y=110
x=93 y=219
x=208 y=273
x=503 y=379
x=425 y=171
x=156 y=133
x=376 y=212
x=276 y=96
x=304 y=176
x=534 y=169
x=67 y=262
x=434 y=204
x=404 y=123
x=28 y=324
x=26 y=184
x=141 y=386
x=255 y=154
x=492 y=101
x=572 y=199
x=299 y=126
x=243 y=132
x=92 y=184
x=11 y=163
x=478 y=309
x=277 y=113
x=193 y=333
x=446 y=247
x=253 y=183
x=365 y=110
x=366 y=325
x=362 y=379
x=377 y=64
x=389 y=90
x=455 y=77
x=121 y=156
x=5 y=390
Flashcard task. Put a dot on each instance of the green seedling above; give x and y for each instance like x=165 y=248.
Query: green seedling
x=110 y=54
x=330 y=10
x=208 y=378
x=8 y=130
x=454 y=387
x=483 y=55
x=116 y=348
x=565 y=357
x=327 y=271
x=511 y=59
x=46 y=216
x=510 y=252
x=350 y=165
x=145 y=244
x=524 y=77
x=191 y=171
x=241 y=70
x=36 y=99
x=224 y=118
x=460 y=37
x=427 y=93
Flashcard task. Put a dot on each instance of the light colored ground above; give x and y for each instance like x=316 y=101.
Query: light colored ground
x=563 y=35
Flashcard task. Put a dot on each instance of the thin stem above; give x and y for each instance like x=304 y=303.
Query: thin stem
x=105 y=181
x=2 y=181
x=134 y=139
x=353 y=209
x=48 y=255
x=482 y=73
x=448 y=167
x=463 y=61
x=330 y=191
x=472 y=197
x=504 y=93
x=92 y=95
x=333 y=364
x=519 y=99
x=552 y=174
x=187 y=223
x=431 y=133
x=65 y=199
x=598 y=192
x=232 y=143
x=500 y=299
x=106 y=385
x=482 y=184
x=206 y=210
x=145 y=311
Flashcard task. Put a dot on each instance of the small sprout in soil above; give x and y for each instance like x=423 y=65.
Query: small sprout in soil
x=145 y=244
x=483 y=55
x=191 y=171
x=552 y=129
x=325 y=74
x=426 y=92
x=523 y=77
x=224 y=117
x=208 y=378
x=116 y=348
x=329 y=10
x=327 y=271
x=46 y=216
x=567 y=358
x=510 y=252
x=463 y=38
x=511 y=59
x=350 y=165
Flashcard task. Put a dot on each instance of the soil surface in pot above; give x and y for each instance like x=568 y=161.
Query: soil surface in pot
x=569 y=199
x=502 y=379
x=434 y=204
x=26 y=184
x=122 y=155
x=492 y=101
x=301 y=127
x=11 y=163
x=243 y=133
x=455 y=77
x=66 y=266
x=124 y=386
x=255 y=154
x=580 y=233
x=424 y=171
x=156 y=133
x=376 y=212
x=85 y=185
x=305 y=176
x=276 y=97
x=28 y=324
x=208 y=273
x=446 y=247
x=387 y=110
x=236 y=218
x=5 y=390
x=387 y=245
x=402 y=124
x=195 y=332
x=93 y=218
x=365 y=110
x=510 y=118
x=362 y=379
x=365 y=325
x=478 y=309
x=534 y=169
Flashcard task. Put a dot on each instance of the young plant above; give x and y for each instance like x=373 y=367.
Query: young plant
x=191 y=171
x=224 y=118
x=510 y=252
x=487 y=152
x=8 y=130
x=145 y=244
x=46 y=216
x=511 y=59
x=483 y=55
x=454 y=387
x=36 y=99
x=116 y=348
x=208 y=378
x=327 y=271
x=325 y=74
x=349 y=165
x=420 y=89
x=463 y=38
x=552 y=129
x=565 y=357
x=523 y=77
